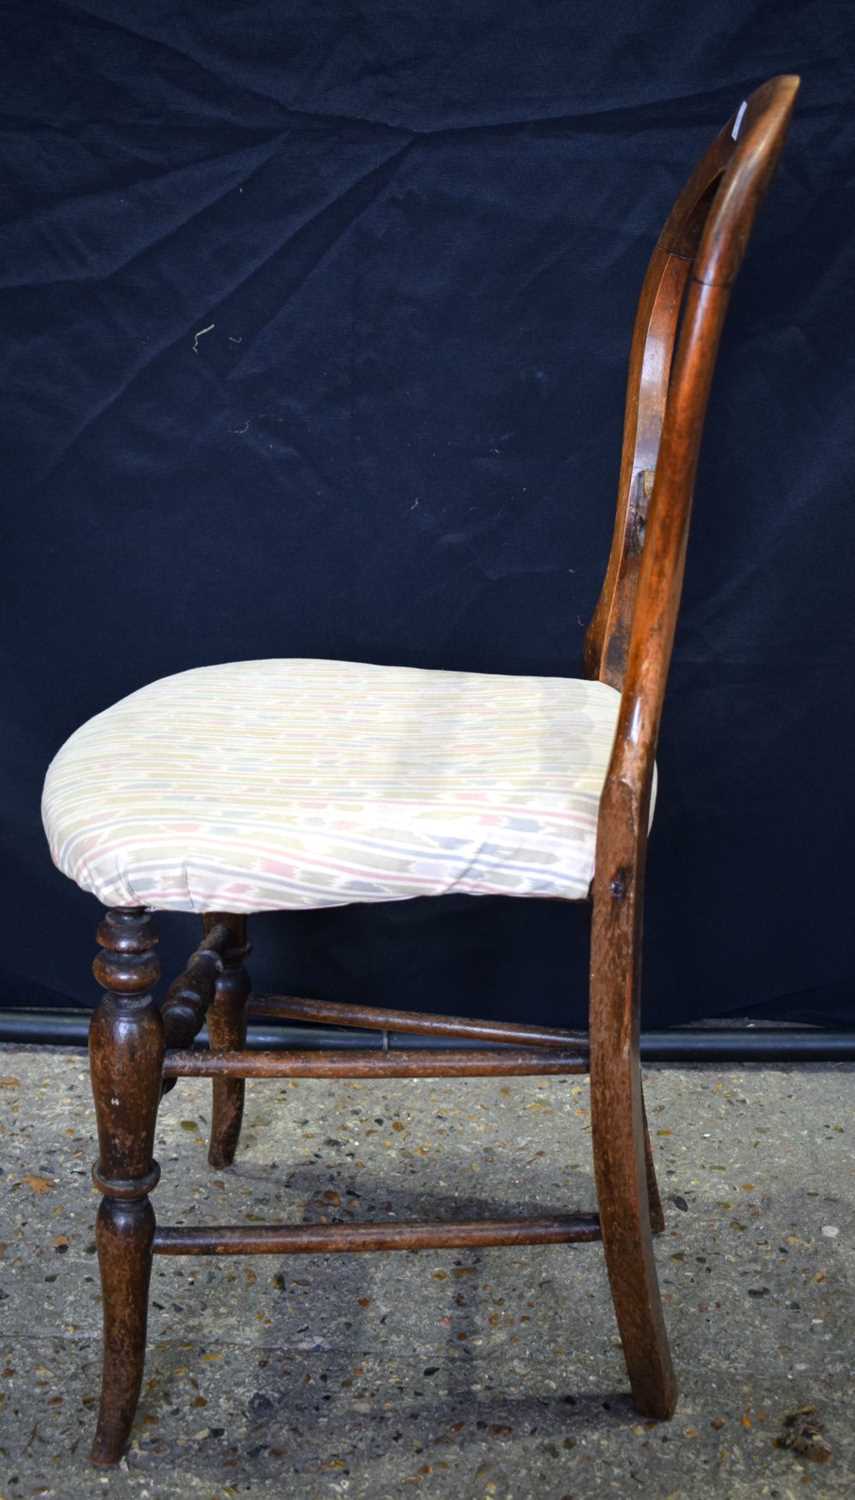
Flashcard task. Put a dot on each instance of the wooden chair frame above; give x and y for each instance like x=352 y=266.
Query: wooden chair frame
x=138 y=1050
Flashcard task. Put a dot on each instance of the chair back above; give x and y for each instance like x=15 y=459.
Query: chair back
x=678 y=324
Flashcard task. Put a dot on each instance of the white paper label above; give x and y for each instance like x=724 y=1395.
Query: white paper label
x=739 y=116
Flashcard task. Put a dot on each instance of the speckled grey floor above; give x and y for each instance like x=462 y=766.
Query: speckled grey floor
x=490 y=1374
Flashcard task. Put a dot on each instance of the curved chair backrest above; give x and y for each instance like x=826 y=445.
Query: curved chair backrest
x=685 y=292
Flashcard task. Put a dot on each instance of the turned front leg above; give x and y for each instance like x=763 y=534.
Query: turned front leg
x=125 y=1059
x=227 y=1033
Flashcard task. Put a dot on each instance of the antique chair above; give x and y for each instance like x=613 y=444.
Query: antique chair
x=268 y=785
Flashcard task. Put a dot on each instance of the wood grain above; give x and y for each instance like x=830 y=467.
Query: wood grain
x=419 y=1023
x=351 y=1063
x=330 y=1239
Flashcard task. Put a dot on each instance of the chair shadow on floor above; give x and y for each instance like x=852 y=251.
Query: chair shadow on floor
x=454 y=1329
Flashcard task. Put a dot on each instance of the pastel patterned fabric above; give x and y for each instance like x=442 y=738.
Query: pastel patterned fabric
x=265 y=785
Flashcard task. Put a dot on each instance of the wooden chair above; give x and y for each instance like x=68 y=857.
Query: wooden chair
x=129 y=812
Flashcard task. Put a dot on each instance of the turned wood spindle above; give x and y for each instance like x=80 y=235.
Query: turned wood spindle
x=125 y=1059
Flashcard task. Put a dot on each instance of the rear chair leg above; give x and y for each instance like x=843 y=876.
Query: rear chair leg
x=125 y=1058
x=626 y=1186
x=657 y=1214
x=227 y=1033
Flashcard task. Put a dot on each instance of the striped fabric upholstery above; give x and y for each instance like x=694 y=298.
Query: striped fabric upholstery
x=265 y=785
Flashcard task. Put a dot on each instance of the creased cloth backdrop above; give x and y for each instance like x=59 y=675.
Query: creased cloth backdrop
x=314 y=330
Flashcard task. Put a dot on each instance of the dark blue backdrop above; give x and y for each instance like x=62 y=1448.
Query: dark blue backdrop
x=315 y=322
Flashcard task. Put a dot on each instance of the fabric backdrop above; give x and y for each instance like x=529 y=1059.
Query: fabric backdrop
x=315 y=321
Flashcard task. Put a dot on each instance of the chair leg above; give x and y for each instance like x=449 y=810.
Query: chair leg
x=622 y=1158
x=126 y=1057
x=657 y=1213
x=227 y=1032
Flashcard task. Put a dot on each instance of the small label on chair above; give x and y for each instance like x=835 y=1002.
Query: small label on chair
x=739 y=118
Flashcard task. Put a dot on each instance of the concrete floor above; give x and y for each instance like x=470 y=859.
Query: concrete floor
x=452 y=1374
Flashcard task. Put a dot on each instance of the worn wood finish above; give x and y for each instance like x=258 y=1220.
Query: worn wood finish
x=680 y=316
x=666 y=404
x=419 y=1023
x=227 y=1033
x=330 y=1239
x=515 y=1062
x=125 y=1057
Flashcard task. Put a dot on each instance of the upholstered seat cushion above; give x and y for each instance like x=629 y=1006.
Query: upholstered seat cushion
x=265 y=785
